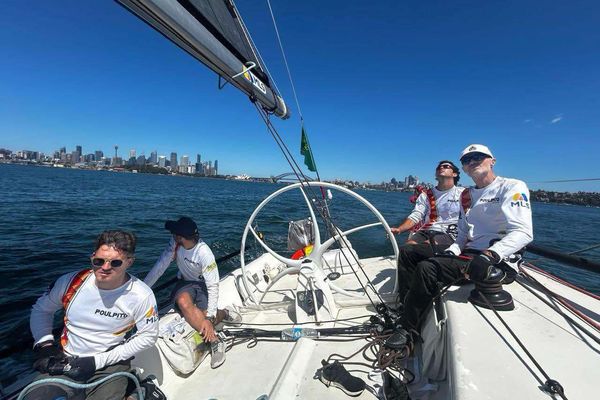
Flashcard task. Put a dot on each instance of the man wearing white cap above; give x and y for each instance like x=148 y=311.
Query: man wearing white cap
x=494 y=223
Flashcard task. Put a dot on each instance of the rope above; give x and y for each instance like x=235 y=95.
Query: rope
x=584 y=250
x=76 y=385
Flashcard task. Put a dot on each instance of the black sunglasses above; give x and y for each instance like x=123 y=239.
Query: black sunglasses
x=98 y=262
x=473 y=157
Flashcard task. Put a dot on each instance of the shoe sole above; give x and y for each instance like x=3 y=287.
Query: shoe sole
x=339 y=386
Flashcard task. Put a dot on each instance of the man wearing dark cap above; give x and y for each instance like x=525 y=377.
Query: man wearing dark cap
x=197 y=292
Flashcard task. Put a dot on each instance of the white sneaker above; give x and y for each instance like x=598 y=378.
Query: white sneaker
x=217 y=352
x=232 y=317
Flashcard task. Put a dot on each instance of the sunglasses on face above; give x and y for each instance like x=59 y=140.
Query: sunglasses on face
x=444 y=166
x=99 y=262
x=473 y=157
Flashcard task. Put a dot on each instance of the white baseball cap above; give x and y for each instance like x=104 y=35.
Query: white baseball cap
x=476 y=148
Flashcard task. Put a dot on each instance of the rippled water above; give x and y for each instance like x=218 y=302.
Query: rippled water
x=51 y=216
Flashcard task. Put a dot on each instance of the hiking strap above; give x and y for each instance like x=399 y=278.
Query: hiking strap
x=72 y=289
x=465 y=200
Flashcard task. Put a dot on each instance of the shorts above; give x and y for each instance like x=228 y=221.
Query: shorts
x=196 y=289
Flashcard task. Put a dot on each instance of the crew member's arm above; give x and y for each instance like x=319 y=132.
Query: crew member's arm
x=42 y=312
x=210 y=272
x=418 y=214
x=519 y=226
x=161 y=265
x=146 y=321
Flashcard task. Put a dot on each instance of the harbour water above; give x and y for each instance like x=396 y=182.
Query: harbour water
x=51 y=216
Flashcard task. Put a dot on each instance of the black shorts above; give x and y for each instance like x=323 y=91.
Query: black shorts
x=196 y=289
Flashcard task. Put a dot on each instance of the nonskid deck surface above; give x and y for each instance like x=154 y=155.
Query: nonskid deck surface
x=467 y=353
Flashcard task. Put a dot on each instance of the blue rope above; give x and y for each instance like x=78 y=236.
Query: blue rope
x=76 y=385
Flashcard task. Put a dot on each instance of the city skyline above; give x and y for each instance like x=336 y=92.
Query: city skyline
x=446 y=76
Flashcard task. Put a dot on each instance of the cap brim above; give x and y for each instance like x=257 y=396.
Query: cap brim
x=170 y=226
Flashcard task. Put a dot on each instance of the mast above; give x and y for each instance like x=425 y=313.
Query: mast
x=211 y=31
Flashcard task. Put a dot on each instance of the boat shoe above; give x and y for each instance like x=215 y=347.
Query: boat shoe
x=335 y=374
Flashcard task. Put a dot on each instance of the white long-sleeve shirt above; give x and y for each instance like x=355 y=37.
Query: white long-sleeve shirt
x=97 y=319
x=195 y=264
x=501 y=210
x=443 y=214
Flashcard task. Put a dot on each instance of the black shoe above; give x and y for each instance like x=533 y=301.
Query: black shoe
x=336 y=375
x=393 y=388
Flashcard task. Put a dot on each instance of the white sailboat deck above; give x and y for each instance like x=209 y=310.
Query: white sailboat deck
x=466 y=353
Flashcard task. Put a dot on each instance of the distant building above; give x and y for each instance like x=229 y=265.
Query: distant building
x=198 y=159
x=79 y=152
x=74 y=157
x=89 y=157
x=162 y=161
x=153 y=158
x=216 y=167
x=185 y=160
x=98 y=154
x=141 y=160
x=173 y=161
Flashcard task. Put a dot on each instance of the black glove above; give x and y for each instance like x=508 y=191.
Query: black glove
x=47 y=354
x=80 y=368
x=480 y=267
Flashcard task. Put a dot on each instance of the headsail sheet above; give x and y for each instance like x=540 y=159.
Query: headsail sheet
x=213 y=33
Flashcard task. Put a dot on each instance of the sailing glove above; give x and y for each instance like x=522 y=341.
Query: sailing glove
x=80 y=368
x=46 y=355
x=480 y=267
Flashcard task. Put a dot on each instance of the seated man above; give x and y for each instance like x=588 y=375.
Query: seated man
x=197 y=293
x=496 y=210
x=101 y=305
x=438 y=209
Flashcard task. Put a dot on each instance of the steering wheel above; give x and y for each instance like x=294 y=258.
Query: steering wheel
x=319 y=248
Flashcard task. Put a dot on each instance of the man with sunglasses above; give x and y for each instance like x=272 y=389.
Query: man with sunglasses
x=101 y=305
x=437 y=209
x=494 y=224
x=197 y=293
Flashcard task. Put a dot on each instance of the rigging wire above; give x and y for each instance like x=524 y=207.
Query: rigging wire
x=285 y=61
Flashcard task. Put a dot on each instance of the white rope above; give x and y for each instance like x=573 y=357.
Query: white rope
x=285 y=61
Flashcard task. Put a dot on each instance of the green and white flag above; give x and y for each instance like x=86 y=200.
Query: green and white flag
x=309 y=160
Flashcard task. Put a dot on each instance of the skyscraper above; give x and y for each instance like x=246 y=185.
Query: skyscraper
x=78 y=149
x=132 y=153
x=216 y=167
x=198 y=159
x=185 y=160
x=153 y=158
x=173 y=161
x=98 y=154
x=162 y=161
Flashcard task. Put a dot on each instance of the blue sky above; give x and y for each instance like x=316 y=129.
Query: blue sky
x=387 y=88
